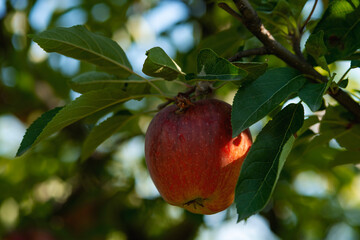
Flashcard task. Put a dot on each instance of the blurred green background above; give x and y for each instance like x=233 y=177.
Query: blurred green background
x=50 y=194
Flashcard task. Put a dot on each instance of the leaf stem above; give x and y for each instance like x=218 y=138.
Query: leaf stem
x=149 y=82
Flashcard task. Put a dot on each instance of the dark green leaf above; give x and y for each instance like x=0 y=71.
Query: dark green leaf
x=83 y=106
x=315 y=45
x=346 y=157
x=337 y=124
x=354 y=56
x=91 y=81
x=350 y=138
x=103 y=131
x=344 y=83
x=254 y=69
x=282 y=8
x=312 y=93
x=297 y=6
x=341 y=27
x=35 y=129
x=262 y=166
x=77 y=42
x=255 y=100
x=280 y=14
x=224 y=43
x=355 y=63
x=212 y=67
x=310 y=121
x=159 y=64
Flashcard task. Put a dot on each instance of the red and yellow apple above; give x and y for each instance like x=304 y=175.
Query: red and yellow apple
x=192 y=157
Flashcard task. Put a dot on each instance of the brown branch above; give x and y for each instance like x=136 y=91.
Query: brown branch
x=253 y=23
x=249 y=52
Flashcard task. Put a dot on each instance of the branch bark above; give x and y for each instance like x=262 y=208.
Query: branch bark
x=253 y=23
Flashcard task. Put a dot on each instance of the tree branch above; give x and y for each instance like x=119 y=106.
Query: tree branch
x=249 y=52
x=253 y=23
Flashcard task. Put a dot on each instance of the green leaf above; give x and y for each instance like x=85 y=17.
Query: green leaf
x=83 y=106
x=255 y=100
x=312 y=93
x=282 y=8
x=104 y=130
x=91 y=81
x=315 y=46
x=321 y=61
x=346 y=157
x=281 y=14
x=343 y=83
x=350 y=138
x=212 y=67
x=79 y=43
x=35 y=129
x=310 y=121
x=354 y=56
x=159 y=64
x=253 y=69
x=297 y=6
x=341 y=26
x=355 y=63
x=338 y=124
x=262 y=166
x=222 y=41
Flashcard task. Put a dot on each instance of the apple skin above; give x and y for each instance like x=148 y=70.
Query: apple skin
x=192 y=158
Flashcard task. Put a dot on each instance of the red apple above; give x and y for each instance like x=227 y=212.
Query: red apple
x=193 y=159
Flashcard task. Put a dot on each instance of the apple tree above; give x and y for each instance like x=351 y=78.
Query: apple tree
x=276 y=64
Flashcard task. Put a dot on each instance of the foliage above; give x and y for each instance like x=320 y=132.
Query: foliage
x=81 y=145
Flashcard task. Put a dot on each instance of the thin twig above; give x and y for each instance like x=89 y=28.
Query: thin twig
x=231 y=11
x=249 y=52
x=308 y=18
x=344 y=75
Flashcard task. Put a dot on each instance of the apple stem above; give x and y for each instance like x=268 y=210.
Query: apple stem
x=183 y=99
x=183 y=102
